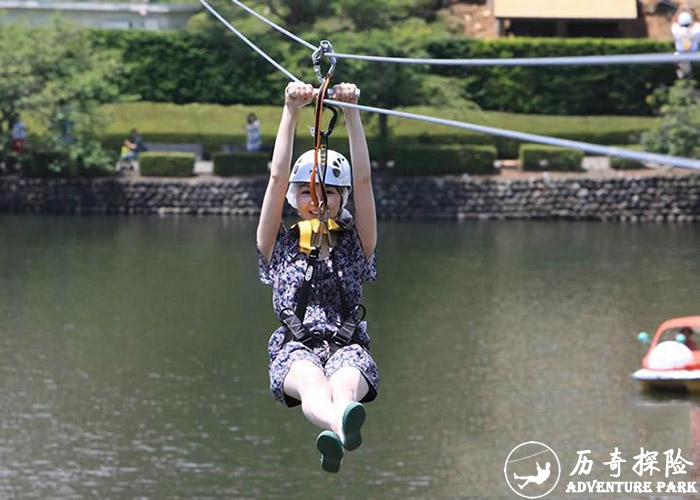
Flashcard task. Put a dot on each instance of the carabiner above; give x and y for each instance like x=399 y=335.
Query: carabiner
x=331 y=124
x=324 y=47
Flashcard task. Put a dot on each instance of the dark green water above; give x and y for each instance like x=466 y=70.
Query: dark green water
x=133 y=358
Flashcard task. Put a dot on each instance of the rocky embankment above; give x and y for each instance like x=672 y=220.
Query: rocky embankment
x=624 y=198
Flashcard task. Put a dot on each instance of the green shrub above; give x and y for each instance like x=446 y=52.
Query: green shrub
x=46 y=163
x=242 y=163
x=444 y=160
x=536 y=157
x=678 y=132
x=619 y=163
x=166 y=164
x=13 y=162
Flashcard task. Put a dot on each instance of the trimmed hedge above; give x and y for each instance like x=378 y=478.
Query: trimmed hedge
x=619 y=163
x=183 y=66
x=506 y=147
x=558 y=90
x=242 y=163
x=167 y=164
x=535 y=157
x=445 y=160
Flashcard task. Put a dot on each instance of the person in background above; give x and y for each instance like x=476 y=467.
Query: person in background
x=689 y=342
x=131 y=147
x=19 y=135
x=252 y=128
x=686 y=34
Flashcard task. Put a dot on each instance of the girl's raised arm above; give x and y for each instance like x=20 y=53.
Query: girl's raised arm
x=363 y=196
x=297 y=95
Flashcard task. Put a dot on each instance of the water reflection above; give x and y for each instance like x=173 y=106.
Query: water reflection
x=134 y=363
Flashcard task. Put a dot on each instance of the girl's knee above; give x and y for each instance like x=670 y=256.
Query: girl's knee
x=348 y=383
x=305 y=374
x=345 y=374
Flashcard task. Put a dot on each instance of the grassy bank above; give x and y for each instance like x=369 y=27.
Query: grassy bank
x=214 y=125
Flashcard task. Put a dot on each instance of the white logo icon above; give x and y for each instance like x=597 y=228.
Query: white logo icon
x=530 y=469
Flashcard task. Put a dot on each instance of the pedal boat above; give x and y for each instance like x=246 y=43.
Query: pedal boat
x=669 y=364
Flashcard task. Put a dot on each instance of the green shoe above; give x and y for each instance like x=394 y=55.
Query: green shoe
x=353 y=418
x=328 y=443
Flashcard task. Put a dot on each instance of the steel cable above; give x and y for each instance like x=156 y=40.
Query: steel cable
x=532 y=61
x=248 y=42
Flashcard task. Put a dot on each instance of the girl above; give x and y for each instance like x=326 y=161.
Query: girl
x=321 y=361
x=253 y=141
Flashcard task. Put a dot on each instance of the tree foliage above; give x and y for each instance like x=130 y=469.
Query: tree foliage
x=364 y=15
x=55 y=73
x=296 y=15
x=678 y=133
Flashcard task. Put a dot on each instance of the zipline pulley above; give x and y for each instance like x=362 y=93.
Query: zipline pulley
x=323 y=48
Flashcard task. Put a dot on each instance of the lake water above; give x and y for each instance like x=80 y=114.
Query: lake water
x=133 y=360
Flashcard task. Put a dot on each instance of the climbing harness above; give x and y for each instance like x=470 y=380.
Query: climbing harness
x=312 y=232
x=293 y=319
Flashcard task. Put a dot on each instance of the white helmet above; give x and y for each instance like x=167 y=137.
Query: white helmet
x=685 y=19
x=338 y=173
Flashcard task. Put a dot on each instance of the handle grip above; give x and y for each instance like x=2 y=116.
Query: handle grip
x=330 y=93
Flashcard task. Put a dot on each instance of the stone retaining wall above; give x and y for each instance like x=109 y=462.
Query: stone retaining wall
x=629 y=198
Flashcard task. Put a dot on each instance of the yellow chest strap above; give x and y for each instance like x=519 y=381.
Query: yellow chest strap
x=309 y=228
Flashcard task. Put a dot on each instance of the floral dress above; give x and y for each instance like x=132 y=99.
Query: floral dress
x=284 y=273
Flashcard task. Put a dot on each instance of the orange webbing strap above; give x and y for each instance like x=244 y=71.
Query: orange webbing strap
x=318 y=143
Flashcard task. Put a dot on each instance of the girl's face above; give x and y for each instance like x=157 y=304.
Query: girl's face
x=306 y=207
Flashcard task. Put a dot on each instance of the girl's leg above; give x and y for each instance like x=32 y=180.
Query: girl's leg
x=348 y=385
x=307 y=383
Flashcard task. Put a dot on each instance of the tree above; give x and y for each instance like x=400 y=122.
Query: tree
x=295 y=15
x=366 y=15
x=55 y=74
x=291 y=14
x=678 y=133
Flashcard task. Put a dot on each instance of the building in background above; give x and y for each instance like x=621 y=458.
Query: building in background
x=566 y=18
x=137 y=15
